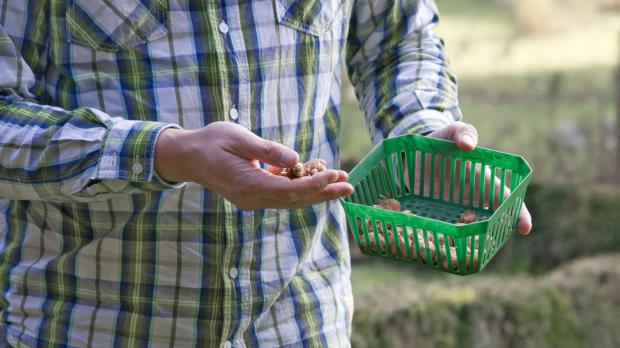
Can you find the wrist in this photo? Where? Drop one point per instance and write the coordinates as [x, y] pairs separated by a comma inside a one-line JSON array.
[[170, 154]]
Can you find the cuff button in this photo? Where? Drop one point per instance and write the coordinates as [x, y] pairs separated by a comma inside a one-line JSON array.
[[137, 168]]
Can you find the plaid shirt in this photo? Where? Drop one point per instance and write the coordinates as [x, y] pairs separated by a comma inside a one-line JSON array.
[[96, 250]]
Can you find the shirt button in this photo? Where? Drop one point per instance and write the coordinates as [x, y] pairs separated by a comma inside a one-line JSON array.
[[223, 27], [233, 273], [234, 113], [227, 344], [137, 168]]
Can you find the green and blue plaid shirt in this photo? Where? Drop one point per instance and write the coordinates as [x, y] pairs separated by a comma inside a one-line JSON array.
[[96, 250]]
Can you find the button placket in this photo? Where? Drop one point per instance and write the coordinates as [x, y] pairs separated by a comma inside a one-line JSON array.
[[230, 285], [241, 66], [239, 111], [233, 113], [223, 27], [233, 273]]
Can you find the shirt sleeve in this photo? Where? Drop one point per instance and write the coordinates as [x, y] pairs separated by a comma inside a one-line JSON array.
[[48, 153], [399, 69]]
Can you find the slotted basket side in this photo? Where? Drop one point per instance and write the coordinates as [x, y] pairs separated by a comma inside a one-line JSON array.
[[411, 239], [502, 225], [380, 234], [431, 239]]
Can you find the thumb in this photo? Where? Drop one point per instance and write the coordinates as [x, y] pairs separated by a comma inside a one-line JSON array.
[[252, 146], [464, 135]]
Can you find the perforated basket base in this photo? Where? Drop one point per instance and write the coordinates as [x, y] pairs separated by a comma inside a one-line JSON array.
[[442, 211]]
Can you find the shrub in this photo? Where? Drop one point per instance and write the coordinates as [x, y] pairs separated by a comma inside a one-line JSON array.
[[569, 221], [577, 305]]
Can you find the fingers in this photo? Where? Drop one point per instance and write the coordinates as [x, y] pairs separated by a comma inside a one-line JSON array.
[[275, 170], [342, 176], [463, 134], [330, 192], [466, 138], [525, 221], [248, 145], [524, 225], [287, 190], [324, 186]]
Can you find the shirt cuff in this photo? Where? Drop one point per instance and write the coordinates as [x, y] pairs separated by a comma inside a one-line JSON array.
[[422, 123], [158, 179], [129, 153]]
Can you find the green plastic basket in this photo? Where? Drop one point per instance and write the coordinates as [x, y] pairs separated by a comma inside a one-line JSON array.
[[438, 192]]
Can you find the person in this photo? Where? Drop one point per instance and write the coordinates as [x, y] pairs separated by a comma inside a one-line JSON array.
[[135, 142]]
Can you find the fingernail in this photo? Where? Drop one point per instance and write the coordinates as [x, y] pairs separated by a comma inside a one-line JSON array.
[[525, 226], [333, 175], [288, 157], [468, 140]]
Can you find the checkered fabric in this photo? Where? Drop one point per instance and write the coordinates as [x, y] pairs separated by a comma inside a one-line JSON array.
[[97, 250]]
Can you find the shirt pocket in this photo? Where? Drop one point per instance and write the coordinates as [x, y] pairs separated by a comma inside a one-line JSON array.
[[114, 25], [314, 17]]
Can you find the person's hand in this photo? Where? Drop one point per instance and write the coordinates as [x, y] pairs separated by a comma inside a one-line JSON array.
[[466, 138], [224, 157]]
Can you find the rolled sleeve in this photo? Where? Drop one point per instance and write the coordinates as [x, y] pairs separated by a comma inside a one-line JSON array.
[[423, 122], [399, 68]]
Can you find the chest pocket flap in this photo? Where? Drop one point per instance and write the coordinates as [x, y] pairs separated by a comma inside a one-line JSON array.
[[311, 16], [112, 25]]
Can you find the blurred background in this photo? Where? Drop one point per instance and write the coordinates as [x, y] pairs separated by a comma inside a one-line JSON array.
[[539, 78]]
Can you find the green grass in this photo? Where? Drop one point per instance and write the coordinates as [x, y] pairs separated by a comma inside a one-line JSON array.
[[526, 115], [375, 272], [365, 276], [573, 306]]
